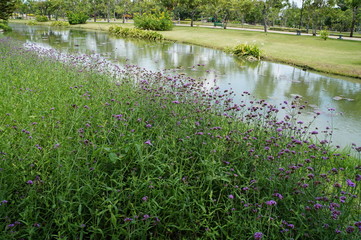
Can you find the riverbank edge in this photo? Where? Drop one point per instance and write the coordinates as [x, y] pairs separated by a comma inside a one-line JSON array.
[[99, 27]]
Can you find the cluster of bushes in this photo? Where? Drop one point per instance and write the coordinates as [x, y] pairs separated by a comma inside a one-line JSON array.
[[60, 24], [41, 18], [5, 27], [159, 21], [135, 33], [245, 50], [77, 18]]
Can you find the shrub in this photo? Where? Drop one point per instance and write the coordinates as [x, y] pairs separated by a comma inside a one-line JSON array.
[[5, 27], [41, 18], [60, 24], [246, 50], [77, 18], [324, 34], [32, 22], [135, 33], [159, 21]]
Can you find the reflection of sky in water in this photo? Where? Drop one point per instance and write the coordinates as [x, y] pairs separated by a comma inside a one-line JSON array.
[[274, 82]]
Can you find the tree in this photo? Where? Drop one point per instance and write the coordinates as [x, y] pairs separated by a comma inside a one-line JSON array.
[[7, 7], [270, 7], [355, 6], [192, 7]]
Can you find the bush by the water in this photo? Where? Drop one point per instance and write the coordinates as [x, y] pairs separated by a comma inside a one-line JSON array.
[[60, 24], [41, 18], [159, 21], [77, 18], [32, 22], [92, 150], [135, 33], [4, 26], [245, 50]]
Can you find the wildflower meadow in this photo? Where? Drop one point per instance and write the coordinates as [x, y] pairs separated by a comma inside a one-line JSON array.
[[93, 150]]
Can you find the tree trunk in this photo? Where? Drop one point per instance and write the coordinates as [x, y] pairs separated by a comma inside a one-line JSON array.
[[265, 18], [192, 18], [354, 13], [225, 21]]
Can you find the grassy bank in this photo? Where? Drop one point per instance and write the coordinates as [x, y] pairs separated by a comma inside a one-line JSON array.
[[89, 150], [334, 56]]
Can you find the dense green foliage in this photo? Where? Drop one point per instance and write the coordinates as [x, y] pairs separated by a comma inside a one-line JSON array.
[[324, 34], [159, 21], [89, 150], [311, 15], [41, 18], [59, 24], [246, 50], [135, 33], [7, 7], [5, 27], [77, 17]]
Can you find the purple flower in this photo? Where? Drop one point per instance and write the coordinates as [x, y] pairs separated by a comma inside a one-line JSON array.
[[145, 217], [317, 206], [358, 177], [128, 219], [314, 132], [350, 183], [176, 102], [258, 235], [230, 196], [148, 142], [145, 198], [278, 195], [350, 229], [29, 182], [271, 203]]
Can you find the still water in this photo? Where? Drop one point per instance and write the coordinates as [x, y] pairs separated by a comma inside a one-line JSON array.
[[264, 80]]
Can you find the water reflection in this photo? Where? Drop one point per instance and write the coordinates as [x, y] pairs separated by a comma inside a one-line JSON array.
[[265, 80]]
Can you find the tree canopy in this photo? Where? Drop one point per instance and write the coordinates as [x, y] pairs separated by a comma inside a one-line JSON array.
[[7, 7]]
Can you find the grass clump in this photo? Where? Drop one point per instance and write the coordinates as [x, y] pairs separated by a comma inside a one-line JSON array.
[[60, 24], [32, 22], [135, 33], [92, 150], [246, 50]]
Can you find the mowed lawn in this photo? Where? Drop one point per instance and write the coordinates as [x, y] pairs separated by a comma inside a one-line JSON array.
[[332, 56]]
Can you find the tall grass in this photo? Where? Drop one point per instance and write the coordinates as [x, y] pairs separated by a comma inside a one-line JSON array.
[[135, 33], [91, 150]]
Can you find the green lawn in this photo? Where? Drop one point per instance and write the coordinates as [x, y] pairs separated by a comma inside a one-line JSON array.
[[332, 56]]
